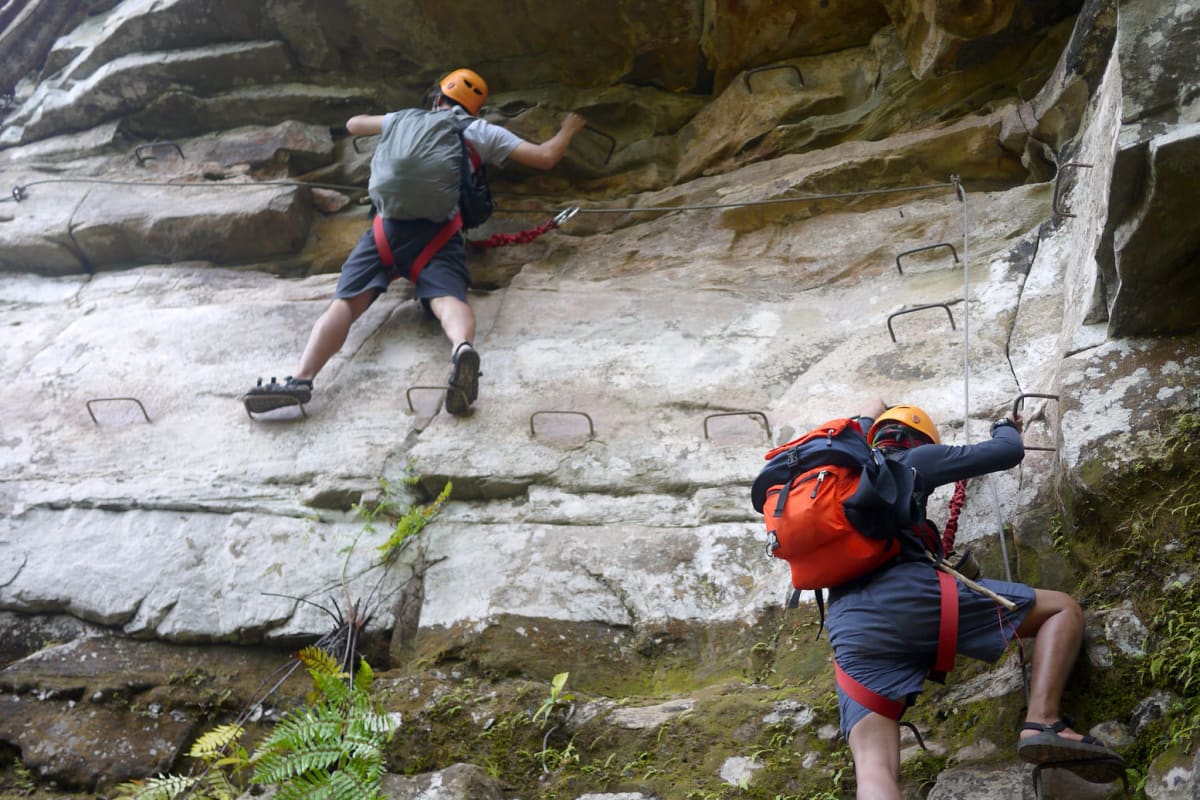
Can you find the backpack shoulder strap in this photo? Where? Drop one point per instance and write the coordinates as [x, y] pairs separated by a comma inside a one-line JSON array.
[[472, 153]]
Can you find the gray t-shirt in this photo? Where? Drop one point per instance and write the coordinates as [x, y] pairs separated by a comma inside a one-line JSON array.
[[493, 143]]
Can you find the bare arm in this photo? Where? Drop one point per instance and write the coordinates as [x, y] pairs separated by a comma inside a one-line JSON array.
[[551, 151], [873, 409], [365, 125]]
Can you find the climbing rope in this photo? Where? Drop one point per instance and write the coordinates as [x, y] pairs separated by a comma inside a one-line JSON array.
[[956, 505], [524, 237], [966, 345], [959, 497], [20, 192]]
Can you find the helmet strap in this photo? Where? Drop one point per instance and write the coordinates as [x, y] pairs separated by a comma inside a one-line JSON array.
[[898, 436]]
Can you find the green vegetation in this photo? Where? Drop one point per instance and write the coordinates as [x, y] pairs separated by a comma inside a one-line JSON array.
[[405, 519], [558, 704], [333, 746], [1135, 541], [330, 748], [1175, 663]]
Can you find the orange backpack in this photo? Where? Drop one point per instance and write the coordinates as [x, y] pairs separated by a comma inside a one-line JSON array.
[[837, 509], [834, 508]]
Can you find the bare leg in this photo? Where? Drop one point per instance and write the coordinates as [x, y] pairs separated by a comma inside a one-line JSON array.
[[1056, 622], [875, 746], [457, 318], [330, 332]]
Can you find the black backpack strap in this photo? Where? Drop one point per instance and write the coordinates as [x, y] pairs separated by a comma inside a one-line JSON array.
[[468, 148]]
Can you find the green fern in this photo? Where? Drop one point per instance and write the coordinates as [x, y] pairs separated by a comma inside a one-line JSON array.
[[215, 745], [365, 678], [211, 786], [217, 748], [333, 747], [163, 787], [412, 523], [320, 662]]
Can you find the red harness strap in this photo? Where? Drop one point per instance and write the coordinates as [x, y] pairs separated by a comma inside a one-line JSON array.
[[947, 628], [892, 709], [943, 662], [385, 250]]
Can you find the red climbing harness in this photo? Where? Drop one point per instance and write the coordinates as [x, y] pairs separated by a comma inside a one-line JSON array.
[[454, 226], [385, 250], [943, 662]]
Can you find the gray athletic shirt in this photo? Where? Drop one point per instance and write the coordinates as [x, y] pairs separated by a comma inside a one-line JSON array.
[[493, 143]]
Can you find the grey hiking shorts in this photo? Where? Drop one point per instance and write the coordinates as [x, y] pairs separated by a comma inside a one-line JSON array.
[[445, 275], [884, 631]]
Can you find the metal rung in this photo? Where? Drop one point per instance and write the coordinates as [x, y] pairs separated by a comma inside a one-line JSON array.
[[758, 414], [591, 425], [1020, 400], [446, 388], [918, 308], [137, 151], [1016, 409], [612, 147], [953, 252], [115, 399], [792, 67]]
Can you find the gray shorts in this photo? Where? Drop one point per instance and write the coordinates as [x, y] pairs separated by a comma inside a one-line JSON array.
[[885, 631], [445, 275]]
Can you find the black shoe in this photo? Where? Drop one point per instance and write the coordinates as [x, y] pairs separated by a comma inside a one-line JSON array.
[[292, 392], [463, 383]]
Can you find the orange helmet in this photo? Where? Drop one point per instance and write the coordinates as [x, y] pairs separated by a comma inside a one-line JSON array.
[[466, 88], [911, 416]]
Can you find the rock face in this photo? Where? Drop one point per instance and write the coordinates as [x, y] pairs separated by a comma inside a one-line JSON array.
[[787, 209]]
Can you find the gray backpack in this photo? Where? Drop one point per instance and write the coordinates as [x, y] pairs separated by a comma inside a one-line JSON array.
[[417, 166]]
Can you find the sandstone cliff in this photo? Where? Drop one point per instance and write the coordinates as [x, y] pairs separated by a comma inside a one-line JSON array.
[[786, 208]]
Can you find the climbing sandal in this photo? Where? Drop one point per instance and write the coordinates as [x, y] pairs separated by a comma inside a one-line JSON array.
[[268, 397], [1088, 758], [463, 383]]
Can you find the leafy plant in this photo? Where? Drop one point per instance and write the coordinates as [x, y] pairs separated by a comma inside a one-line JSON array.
[[25, 786], [405, 519], [558, 707], [222, 757], [557, 702], [332, 747], [1176, 660]]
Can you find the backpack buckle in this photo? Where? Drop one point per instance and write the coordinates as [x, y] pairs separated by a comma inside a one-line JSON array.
[[772, 544]]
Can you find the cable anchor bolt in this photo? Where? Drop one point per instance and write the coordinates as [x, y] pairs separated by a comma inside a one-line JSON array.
[[565, 215]]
